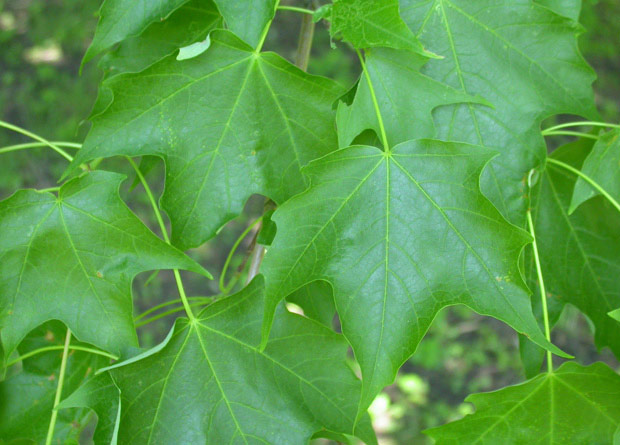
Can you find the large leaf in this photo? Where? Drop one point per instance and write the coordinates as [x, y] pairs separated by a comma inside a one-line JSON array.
[[73, 258], [120, 19], [372, 23], [399, 236], [603, 166], [406, 99], [188, 24], [579, 252], [573, 405], [229, 123], [27, 398], [102, 396], [522, 58], [211, 381], [247, 18]]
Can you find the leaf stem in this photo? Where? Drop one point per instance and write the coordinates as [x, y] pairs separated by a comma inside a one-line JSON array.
[[224, 288], [588, 179], [296, 9], [543, 292], [53, 146], [162, 226], [261, 42], [16, 147], [570, 133], [375, 102], [168, 303], [58, 348], [166, 313], [304, 45], [61, 381], [581, 124]]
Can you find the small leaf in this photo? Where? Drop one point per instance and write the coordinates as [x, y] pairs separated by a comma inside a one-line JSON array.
[[120, 19], [206, 117], [573, 405], [603, 166], [211, 382], [401, 235], [102, 396], [73, 258], [373, 23]]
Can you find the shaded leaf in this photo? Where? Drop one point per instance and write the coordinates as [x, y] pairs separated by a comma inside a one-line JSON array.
[[603, 166], [399, 236], [567, 8], [578, 252], [575, 404], [519, 56], [120, 19], [247, 18], [73, 258], [188, 24], [206, 117], [372, 23], [211, 381], [27, 398], [317, 301], [102, 396]]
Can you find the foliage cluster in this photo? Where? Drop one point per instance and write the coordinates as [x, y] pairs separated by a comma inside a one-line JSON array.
[[425, 185]]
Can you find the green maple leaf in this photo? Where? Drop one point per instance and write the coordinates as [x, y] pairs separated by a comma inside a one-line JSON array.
[[73, 258], [405, 96], [102, 396], [120, 19], [603, 166], [399, 235], [206, 117], [575, 404], [247, 18], [27, 398], [188, 24], [578, 252], [209, 380], [523, 59], [372, 23]]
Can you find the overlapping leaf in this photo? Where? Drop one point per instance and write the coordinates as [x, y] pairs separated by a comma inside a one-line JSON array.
[[102, 396], [27, 398], [372, 23], [120, 19], [211, 382], [188, 24], [317, 301], [575, 404], [228, 123], [603, 166], [405, 96], [522, 58], [399, 235], [73, 258], [579, 252]]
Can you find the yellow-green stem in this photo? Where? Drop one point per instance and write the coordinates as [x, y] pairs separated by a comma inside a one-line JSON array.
[[61, 381], [36, 137], [58, 348], [162, 226], [384, 138], [543, 292]]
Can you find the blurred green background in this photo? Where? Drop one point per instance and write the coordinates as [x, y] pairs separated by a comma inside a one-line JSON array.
[[41, 45]]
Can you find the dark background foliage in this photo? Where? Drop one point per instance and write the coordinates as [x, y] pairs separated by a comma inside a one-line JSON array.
[[41, 45]]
